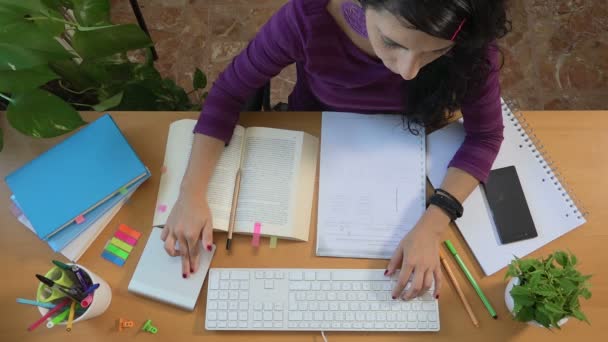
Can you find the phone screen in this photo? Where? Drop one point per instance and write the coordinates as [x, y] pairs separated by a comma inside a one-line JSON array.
[[508, 205]]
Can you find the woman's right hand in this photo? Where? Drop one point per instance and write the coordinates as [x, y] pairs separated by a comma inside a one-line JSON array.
[[189, 222]]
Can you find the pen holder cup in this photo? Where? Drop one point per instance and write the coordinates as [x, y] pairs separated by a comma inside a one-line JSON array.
[[101, 297], [59, 276]]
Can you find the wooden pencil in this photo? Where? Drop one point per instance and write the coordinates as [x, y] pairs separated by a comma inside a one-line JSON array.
[[464, 300]]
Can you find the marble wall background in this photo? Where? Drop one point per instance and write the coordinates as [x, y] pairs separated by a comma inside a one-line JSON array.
[[556, 57]]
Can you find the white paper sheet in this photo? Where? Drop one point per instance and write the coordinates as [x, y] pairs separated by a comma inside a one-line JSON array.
[[371, 185]]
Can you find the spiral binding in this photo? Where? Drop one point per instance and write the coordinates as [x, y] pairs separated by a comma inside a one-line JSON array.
[[534, 144]]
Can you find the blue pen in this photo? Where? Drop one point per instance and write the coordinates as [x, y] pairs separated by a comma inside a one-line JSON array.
[[78, 272], [90, 289]]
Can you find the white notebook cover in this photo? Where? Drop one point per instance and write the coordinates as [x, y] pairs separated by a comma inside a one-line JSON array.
[[553, 211], [159, 276]]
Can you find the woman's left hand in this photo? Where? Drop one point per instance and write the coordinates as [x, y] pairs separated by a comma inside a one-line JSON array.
[[418, 253]]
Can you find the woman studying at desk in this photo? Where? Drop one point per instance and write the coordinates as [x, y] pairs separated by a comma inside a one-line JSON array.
[[422, 59]]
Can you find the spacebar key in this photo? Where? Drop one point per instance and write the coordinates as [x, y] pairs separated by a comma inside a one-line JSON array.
[[357, 275]]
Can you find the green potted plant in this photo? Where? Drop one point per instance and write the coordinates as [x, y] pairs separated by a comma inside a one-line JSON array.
[[58, 57], [545, 292]]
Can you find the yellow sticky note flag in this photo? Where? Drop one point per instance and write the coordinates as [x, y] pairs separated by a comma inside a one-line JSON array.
[[273, 242], [121, 244]]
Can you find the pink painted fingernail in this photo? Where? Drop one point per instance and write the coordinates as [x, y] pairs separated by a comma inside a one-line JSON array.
[[184, 275], [191, 270], [437, 297], [209, 248], [394, 297], [385, 272]]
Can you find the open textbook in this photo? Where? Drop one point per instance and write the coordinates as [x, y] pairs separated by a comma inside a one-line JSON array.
[[278, 169]]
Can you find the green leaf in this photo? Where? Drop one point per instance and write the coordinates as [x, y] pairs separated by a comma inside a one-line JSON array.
[[109, 103], [108, 41], [561, 258], [73, 74], [554, 308], [585, 293], [200, 80], [22, 80], [92, 12], [525, 314], [522, 295], [26, 35], [20, 7], [41, 114], [53, 28], [580, 315], [17, 58], [567, 285], [573, 259], [542, 318]]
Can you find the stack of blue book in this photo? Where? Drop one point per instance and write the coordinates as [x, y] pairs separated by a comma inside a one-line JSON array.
[[77, 185]]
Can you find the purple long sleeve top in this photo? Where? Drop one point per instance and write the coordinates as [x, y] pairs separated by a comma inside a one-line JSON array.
[[333, 74]]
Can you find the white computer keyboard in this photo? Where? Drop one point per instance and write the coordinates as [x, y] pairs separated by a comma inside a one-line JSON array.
[[313, 299]]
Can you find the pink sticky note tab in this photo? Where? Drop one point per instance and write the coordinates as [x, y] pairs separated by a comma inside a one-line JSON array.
[[79, 219], [126, 238], [162, 208], [257, 228]]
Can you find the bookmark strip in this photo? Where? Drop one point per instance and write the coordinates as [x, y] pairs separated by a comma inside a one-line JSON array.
[[273, 242], [123, 191], [257, 228], [125, 238], [112, 258], [129, 231], [121, 244], [80, 219], [117, 251], [162, 208]]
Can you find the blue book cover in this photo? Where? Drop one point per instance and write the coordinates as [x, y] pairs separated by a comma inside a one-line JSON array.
[[65, 236], [76, 176]]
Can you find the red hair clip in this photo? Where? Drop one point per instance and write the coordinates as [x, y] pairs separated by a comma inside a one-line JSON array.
[[458, 29]]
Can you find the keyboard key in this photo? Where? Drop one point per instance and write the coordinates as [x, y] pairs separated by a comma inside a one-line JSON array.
[[411, 316], [225, 275], [267, 324], [213, 295], [379, 325], [244, 284], [339, 316], [295, 275], [224, 284], [361, 296], [315, 325], [385, 306], [341, 296], [277, 324], [268, 284], [267, 306], [278, 275], [212, 315], [278, 315], [303, 325], [325, 325], [222, 305], [242, 324], [391, 316], [323, 275], [313, 306], [358, 325], [258, 307], [335, 286], [223, 295], [232, 324], [423, 325], [323, 306], [381, 316], [333, 306], [356, 286], [344, 306], [308, 316], [309, 275], [278, 306], [257, 324], [295, 316], [316, 286], [389, 325], [354, 306], [302, 306], [239, 275], [292, 324], [318, 316], [244, 295], [375, 306], [222, 316], [233, 316], [329, 316], [257, 316], [269, 274], [221, 324], [346, 325], [405, 306], [412, 325], [372, 296], [352, 296], [326, 286], [433, 325], [234, 295], [233, 306], [335, 325], [259, 274], [242, 316], [429, 306], [364, 306], [212, 305], [422, 316], [267, 316], [360, 316], [211, 324], [331, 296], [366, 286], [243, 306], [214, 280], [432, 316], [346, 287], [310, 296], [416, 306], [351, 275]]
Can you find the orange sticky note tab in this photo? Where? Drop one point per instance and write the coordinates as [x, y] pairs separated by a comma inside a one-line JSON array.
[[129, 231], [80, 219]]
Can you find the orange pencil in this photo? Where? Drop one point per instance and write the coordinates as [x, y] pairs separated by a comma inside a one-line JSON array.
[[467, 306]]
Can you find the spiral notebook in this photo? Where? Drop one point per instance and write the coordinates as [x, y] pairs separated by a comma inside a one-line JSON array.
[[551, 205], [371, 185]]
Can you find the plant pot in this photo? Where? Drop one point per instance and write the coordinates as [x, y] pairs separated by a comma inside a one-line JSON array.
[[511, 303]]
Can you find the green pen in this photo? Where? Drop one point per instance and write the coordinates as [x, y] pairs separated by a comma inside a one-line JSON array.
[[62, 265], [485, 300]]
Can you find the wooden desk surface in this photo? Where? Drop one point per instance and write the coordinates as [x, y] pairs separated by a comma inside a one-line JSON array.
[[577, 140]]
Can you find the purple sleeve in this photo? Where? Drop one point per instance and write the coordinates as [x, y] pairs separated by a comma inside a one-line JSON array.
[[482, 115], [278, 44]]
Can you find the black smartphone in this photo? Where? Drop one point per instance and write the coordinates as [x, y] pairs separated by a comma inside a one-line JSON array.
[[508, 205]]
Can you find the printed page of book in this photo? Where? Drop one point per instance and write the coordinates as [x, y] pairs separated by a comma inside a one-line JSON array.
[[371, 184], [275, 166], [221, 185]]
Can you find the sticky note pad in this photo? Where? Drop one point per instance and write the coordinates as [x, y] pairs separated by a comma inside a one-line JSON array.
[[80, 219], [112, 258], [129, 231], [273, 242], [121, 244], [116, 251], [125, 238]]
